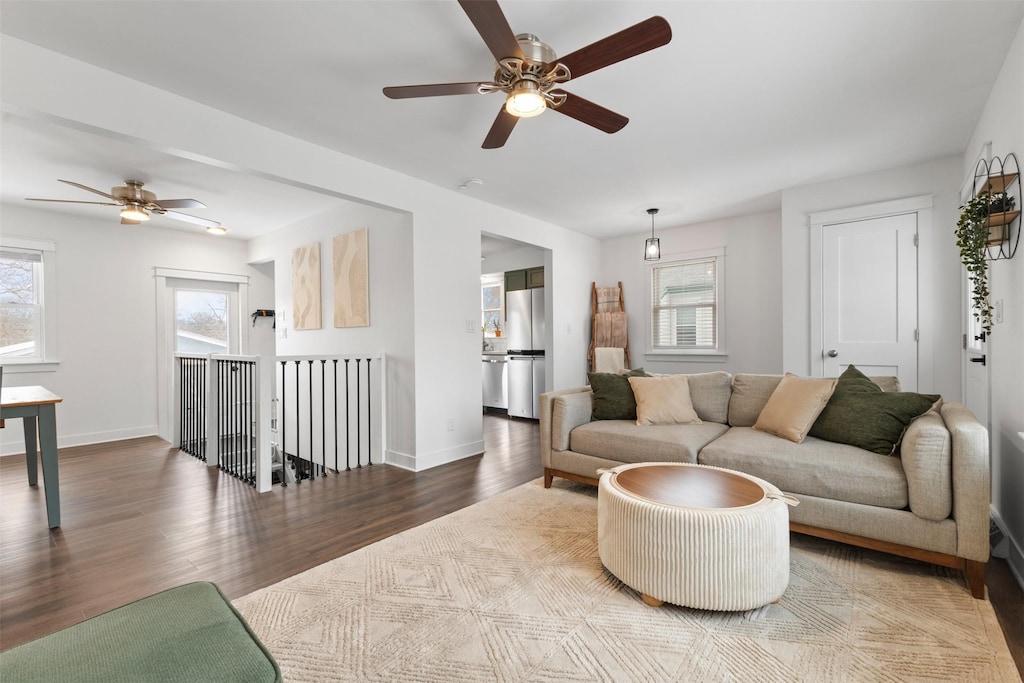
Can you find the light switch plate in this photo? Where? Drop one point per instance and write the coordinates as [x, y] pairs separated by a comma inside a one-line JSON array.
[[999, 310], [471, 326]]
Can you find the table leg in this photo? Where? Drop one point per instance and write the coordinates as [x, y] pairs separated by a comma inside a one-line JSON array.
[[29, 423], [48, 451]]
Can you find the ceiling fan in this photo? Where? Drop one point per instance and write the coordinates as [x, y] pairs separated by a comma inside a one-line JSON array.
[[530, 74], [136, 204]]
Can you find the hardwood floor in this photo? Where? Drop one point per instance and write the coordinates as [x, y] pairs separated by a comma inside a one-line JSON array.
[[139, 517]]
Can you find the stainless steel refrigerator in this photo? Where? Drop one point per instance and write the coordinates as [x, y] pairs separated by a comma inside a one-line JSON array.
[[524, 324]]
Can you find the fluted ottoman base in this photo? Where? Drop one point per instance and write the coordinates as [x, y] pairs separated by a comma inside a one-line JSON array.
[[695, 536]]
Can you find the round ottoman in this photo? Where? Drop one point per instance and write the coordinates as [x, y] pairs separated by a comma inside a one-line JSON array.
[[694, 535]]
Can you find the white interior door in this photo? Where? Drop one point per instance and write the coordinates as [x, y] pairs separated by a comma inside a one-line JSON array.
[[869, 297], [976, 370]]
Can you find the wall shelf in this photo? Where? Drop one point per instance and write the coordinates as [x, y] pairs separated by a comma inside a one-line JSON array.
[[1000, 176]]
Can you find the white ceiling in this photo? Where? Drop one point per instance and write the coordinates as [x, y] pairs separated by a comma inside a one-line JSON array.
[[748, 99]]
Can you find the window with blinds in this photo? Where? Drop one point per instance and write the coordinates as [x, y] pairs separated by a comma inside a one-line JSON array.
[[684, 305], [21, 304]]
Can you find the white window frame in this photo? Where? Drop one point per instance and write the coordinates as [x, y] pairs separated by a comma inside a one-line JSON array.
[[47, 361], [493, 280], [716, 354]]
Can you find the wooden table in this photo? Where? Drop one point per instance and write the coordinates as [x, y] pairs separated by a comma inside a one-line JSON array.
[[35, 406]]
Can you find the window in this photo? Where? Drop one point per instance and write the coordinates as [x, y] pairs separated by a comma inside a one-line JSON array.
[[201, 321], [491, 299], [27, 335], [686, 305]]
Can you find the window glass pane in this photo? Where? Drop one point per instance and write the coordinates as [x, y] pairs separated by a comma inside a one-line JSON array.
[[17, 281], [685, 296], [202, 322], [491, 297], [20, 312], [19, 330]]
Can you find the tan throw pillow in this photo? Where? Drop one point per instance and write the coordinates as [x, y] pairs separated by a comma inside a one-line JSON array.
[[794, 406], [663, 400]]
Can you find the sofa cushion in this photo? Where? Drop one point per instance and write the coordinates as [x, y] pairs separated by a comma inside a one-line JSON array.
[[710, 392], [663, 400], [928, 465], [861, 414], [568, 411], [625, 441], [794, 405], [814, 467], [613, 397], [749, 395]]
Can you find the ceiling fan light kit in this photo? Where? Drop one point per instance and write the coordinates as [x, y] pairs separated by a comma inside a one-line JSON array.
[[134, 213], [530, 73], [217, 230]]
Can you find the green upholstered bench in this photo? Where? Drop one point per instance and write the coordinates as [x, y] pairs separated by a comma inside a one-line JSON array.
[[189, 633]]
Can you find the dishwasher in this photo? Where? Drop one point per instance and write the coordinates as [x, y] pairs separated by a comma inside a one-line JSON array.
[[495, 383]]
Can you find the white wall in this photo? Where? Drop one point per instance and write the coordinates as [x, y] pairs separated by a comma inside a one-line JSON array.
[[1002, 124], [939, 274], [389, 236], [753, 290], [513, 259], [106, 318], [446, 227]]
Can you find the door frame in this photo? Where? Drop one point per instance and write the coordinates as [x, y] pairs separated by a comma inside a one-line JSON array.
[[164, 334], [922, 206]]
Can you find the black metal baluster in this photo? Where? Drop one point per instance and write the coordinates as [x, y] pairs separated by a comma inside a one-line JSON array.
[[369, 415], [201, 413], [359, 419], [348, 439], [312, 455], [335, 361], [298, 431], [323, 417], [283, 417]]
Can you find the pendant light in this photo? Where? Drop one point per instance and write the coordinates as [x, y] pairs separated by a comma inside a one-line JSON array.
[[652, 250]]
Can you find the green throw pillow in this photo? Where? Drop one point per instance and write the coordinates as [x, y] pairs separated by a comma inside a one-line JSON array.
[[613, 397], [861, 414]]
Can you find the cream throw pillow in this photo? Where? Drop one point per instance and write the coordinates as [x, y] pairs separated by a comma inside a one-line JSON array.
[[663, 400], [794, 406]]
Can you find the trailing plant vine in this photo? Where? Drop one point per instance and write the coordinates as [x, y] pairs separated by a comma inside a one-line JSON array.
[[972, 239]]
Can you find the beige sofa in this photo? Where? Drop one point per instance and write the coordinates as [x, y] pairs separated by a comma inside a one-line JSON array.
[[931, 503]]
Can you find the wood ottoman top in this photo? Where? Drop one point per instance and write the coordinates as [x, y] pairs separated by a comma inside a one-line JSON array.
[[691, 486]]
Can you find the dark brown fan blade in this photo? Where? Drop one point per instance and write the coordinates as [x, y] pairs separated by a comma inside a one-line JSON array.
[[500, 130], [69, 201], [180, 204], [589, 113], [627, 43], [399, 92], [491, 24], [90, 189], [205, 222]]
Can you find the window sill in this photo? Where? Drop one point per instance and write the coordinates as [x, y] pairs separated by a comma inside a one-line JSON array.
[[13, 367], [687, 356]]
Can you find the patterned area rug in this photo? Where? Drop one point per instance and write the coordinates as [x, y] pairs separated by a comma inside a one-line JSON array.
[[512, 589]]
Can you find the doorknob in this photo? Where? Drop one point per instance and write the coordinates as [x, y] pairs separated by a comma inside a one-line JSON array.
[[832, 353], [979, 360]]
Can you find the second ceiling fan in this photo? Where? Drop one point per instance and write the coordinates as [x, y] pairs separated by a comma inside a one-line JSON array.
[[530, 73]]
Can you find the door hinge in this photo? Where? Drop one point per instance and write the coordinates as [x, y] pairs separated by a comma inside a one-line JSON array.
[[916, 239], [917, 335], [964, 345]]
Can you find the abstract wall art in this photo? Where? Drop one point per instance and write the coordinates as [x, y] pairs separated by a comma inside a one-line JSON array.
[[306, 287], [351, 280]]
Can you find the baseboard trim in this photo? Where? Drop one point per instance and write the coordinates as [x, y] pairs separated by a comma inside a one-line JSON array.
[[418, 463], [17, 447]]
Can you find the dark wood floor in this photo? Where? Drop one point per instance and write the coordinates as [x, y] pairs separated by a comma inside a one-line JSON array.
[[139, 517]]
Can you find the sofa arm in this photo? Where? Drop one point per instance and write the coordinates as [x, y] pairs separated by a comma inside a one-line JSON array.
[[972, 489], [573, 410]]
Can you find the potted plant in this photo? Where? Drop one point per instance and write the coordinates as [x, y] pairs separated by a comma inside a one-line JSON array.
[[972, 236], [497, 328]]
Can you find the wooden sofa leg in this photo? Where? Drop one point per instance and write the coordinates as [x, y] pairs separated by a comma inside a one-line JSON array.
[[975, 577], [548, 476]]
